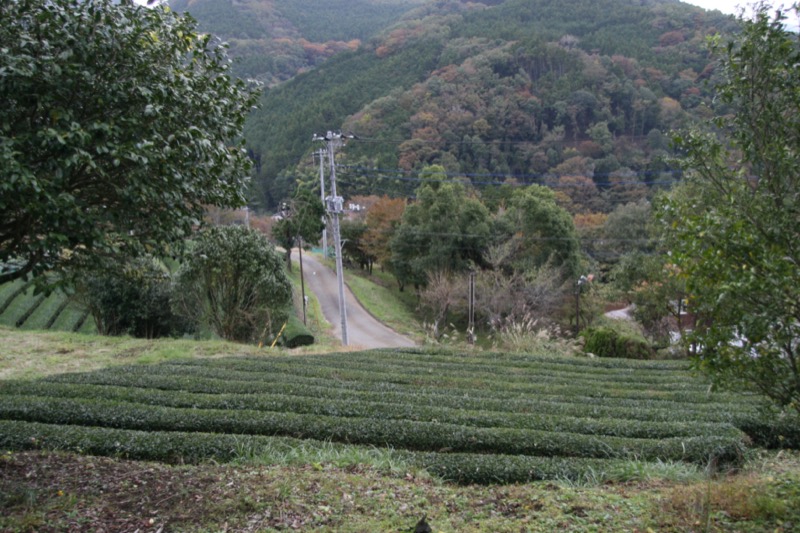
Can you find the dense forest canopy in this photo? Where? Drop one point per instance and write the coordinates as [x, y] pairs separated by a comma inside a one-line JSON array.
[[570, 95], [273, 40]]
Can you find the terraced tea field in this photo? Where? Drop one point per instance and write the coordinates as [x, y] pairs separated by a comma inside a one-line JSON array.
[[20, 307], [475, 418]]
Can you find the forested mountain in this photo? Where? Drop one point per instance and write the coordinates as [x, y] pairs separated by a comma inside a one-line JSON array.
[[272, 40], [578, 95]]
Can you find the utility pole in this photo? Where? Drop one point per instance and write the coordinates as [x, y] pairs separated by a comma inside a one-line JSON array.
[[335, 206], [471, 327], [288, 211], [321, 154], [583, 280], [302, 279]]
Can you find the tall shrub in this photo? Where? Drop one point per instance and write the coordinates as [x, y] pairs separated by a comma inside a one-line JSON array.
[[234, 282], [129, 296]]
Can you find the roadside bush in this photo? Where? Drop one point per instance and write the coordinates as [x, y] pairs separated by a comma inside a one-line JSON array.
[[130, 297], [606, 342], [296, 334], [234, 282]]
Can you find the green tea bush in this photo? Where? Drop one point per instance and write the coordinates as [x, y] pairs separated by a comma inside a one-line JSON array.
[[606, 342], [374, 408], [209, 379], [296, 334], [406, 434], [470, 418], [181, 447]]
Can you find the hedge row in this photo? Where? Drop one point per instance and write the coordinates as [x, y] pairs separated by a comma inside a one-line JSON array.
[[497, 400], [425, 436], [450, 354], [296, 334], [398, 381], [608, 342], [765, 429], [378, 409], [380, 364], [179, 447]]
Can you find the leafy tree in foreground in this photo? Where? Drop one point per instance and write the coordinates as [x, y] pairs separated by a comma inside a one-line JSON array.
[[234, 282], [735, 227], [117, 127]]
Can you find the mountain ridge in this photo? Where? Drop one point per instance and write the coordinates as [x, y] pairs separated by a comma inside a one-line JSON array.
[[515, 89]]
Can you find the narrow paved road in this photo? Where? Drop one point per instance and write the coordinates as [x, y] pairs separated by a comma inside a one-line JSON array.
[[363, 330]]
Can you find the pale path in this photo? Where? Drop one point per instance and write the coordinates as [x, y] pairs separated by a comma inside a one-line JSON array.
[[621, 314], [363, 330]]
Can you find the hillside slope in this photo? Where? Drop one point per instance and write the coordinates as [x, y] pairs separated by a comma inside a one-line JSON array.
[[529, 90], [273, 40]]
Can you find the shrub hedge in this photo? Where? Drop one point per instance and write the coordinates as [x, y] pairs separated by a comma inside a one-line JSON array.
[[470, 418], [404, 434], [298, 372], [296, 334], [606, 342], [410, 410], [180, 447]]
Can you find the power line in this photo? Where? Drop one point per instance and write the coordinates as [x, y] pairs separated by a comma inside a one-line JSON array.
[[448, 142], [335, 206], [540, 179]]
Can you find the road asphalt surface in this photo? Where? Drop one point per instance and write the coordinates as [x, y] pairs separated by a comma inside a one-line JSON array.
[[363, 330]]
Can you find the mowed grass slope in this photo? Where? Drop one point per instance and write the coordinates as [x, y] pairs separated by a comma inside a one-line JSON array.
[[482, 418]]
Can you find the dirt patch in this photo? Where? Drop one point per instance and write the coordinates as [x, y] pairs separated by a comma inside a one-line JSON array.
[[60, 492]]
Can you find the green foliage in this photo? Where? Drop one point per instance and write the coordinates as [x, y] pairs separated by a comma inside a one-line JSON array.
[[401, 433], [274, 40], [734, 224], [492, 92], [445, 230], [302, 222], [499, 412], [607, 342], [540, 232], [343, 19], [412, 410], [296, 334], [118, 126], [130, 296], [657, 288], [281, 134], [626, 231], [57, 311], [233, 281], [354, 244], [182, 447]]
